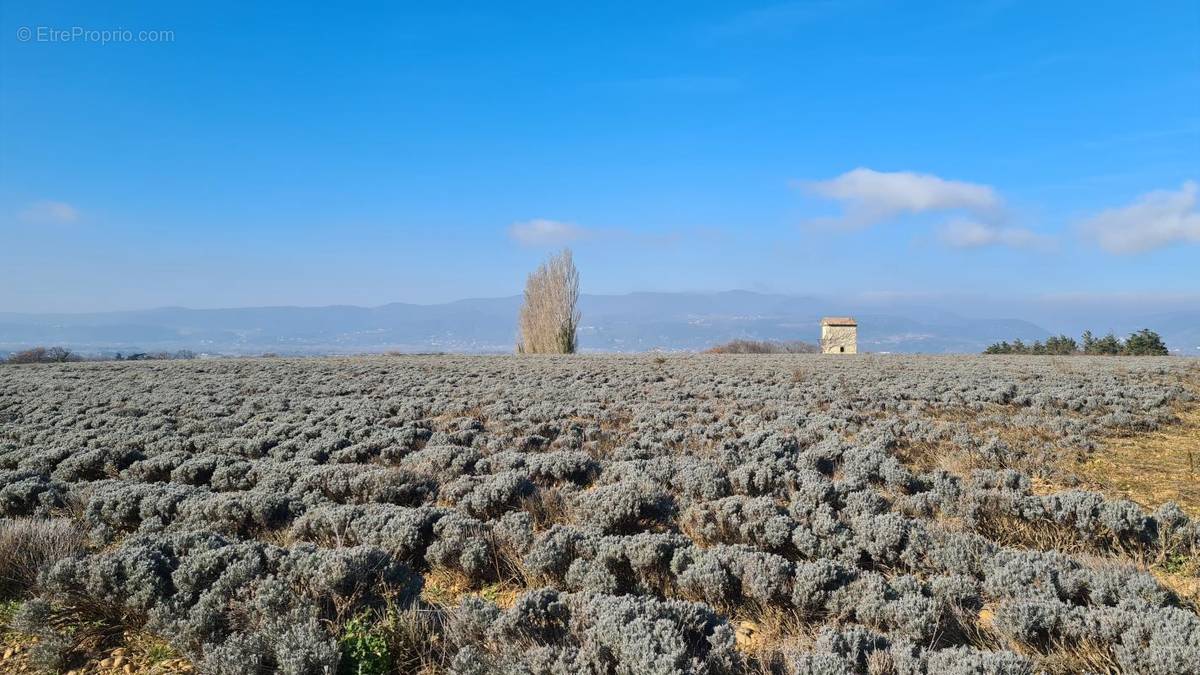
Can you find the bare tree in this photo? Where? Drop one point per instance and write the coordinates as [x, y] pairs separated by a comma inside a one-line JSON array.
[[44, 355], [549, 318]]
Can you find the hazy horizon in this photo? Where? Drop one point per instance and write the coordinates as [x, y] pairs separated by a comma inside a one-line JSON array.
[[621, 322], [976, 306]]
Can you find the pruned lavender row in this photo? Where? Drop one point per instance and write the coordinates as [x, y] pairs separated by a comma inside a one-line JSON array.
[[246, 509]]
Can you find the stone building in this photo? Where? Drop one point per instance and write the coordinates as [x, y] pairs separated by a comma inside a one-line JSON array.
[[839, 335]]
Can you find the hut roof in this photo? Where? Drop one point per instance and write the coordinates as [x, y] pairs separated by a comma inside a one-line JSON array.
[[838, 321]]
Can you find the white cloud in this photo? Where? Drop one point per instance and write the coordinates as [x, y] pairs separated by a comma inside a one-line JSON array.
[[50, 213], [870, 196], [961, 233], [1156, 219], [543, 232]]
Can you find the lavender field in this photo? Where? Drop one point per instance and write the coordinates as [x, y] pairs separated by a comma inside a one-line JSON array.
[[680, 514]]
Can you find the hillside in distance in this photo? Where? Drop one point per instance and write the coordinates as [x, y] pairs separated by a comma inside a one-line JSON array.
[[611, 323]]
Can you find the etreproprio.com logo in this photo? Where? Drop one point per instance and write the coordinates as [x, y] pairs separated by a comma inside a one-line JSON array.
[[101, 36]]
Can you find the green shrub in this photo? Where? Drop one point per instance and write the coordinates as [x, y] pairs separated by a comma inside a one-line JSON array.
[[364, 648]]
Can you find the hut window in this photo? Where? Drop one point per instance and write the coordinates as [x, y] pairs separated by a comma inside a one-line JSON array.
[[842, 350]]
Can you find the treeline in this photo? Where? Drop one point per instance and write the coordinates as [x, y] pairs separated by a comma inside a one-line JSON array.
[[64, 355], [1144, 342]]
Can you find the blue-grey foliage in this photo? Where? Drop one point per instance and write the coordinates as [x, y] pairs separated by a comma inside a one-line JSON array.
[[245, 509]]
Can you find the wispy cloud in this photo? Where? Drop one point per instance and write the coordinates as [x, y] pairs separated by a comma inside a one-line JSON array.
[[870, 197], [544, 232], [1156, 219], [965, 234], [49, 213]]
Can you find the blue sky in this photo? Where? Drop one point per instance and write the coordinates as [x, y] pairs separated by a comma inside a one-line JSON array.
[[274, 153]]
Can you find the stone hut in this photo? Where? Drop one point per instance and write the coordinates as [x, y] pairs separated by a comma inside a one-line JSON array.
[[839, 335]]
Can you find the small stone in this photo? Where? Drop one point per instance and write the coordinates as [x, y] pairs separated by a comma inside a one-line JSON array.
[[117, 660], [128, 669], [8, 653]]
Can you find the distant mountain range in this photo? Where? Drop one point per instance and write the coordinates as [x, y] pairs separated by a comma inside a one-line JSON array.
[[611, 323]]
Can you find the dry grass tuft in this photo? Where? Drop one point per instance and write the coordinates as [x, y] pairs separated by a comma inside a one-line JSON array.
[[1086, 656], [96, 651], [1044, 535], [416, 640], [548, 506], [769, 639], [447, 588], [1182, 575], [30, 545]]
